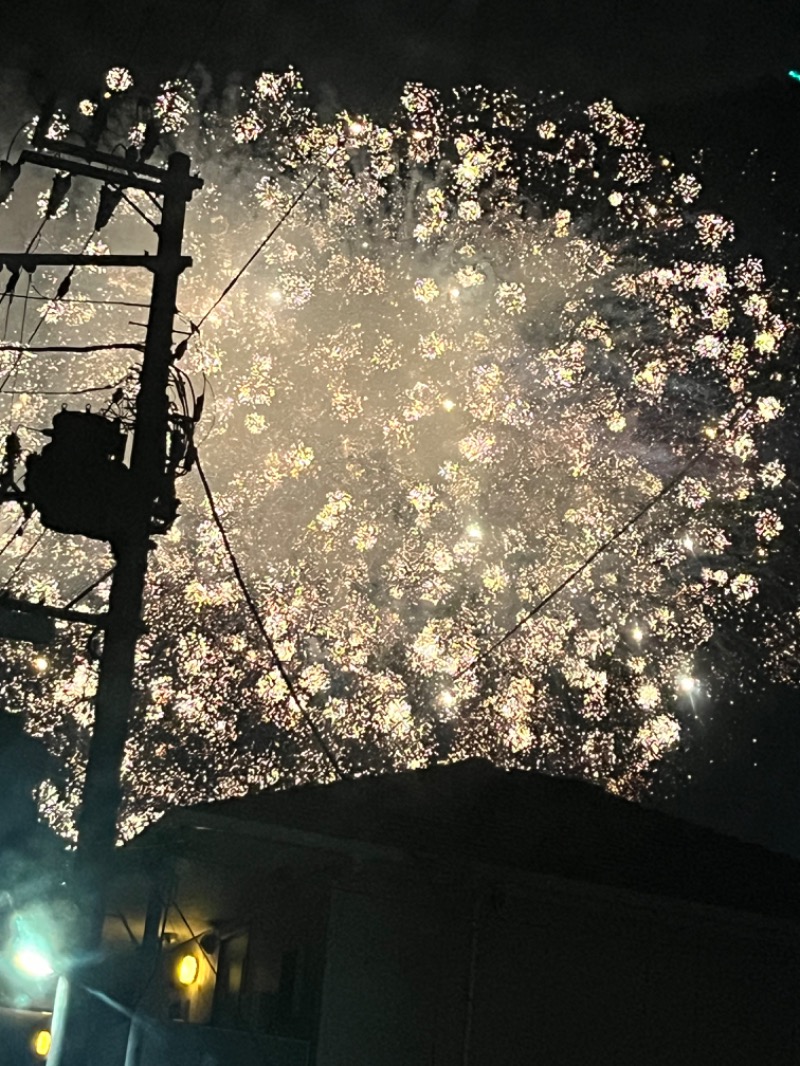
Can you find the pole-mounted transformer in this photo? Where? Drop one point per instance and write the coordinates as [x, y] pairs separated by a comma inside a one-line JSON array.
[[79, 483]]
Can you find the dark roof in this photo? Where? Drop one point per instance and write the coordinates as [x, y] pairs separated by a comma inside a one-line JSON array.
[[474, 811]]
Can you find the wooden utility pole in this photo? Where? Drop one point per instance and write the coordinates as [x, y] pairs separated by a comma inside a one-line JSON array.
[[99, 811], [97, 821]]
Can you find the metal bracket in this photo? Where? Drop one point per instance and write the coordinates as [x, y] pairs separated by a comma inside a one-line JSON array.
[[62, 614]]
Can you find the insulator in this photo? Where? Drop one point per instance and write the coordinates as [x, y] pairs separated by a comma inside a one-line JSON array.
[[109, 201], [177, 448], [98, 124], [11, 284], [64, 287], [13, 448], [58, 194], [152, 136], [9, 172]]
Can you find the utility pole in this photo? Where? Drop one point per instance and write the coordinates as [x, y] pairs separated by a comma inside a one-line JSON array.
[[148, 475], [101, 793]]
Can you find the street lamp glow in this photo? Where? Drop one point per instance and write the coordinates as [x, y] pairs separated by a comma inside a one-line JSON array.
[[32, 962], [42, 1042], [687, 684], [188, 969]]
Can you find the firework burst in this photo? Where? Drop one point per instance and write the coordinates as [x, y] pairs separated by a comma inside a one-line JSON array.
[[488, 334]]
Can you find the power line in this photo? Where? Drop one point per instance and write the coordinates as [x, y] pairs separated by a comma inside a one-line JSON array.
[[9, 289], [25, 308], [438, 15], [603, 547], [14, 371], [62, 290], [197, 939], [13, 280], [24, 557], [251, 604], [17, 533], [13, 139], [64, 284], [135, 207], [260, 248], [121, 346], [204, 38], [89, 588], [63, 392], [40, 298]]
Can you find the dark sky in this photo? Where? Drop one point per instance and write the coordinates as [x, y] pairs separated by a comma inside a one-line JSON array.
[[709, 76], [636, 51]]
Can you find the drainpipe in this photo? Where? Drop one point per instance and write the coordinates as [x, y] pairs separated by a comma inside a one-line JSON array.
[[472, 973], [162, 888], [133, 1049]]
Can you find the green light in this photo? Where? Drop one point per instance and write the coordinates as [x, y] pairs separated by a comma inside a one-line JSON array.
[[795, 74]]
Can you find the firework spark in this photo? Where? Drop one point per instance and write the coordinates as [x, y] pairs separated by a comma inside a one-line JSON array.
[[490, 332]]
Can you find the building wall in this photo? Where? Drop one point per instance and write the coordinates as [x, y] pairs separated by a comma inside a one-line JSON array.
[[421, 972], [393, 981], [644, 984]]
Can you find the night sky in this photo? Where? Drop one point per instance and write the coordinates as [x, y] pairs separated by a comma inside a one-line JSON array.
[[709, 78]]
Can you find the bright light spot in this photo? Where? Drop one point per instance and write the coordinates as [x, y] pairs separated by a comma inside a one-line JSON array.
[[687, 684], [475, 532], [119, 79], [356, 127], [455, 293], [187, 971], [40, 663], [276, 296], [710, 432], [418, 135], [448, 405], [447, 699], [33, 963], [637, 634], [795, 74], [87, 107], [688, 543], [41, 1043]]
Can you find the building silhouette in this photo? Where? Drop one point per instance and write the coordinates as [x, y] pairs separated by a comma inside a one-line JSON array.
[[460, 915]]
